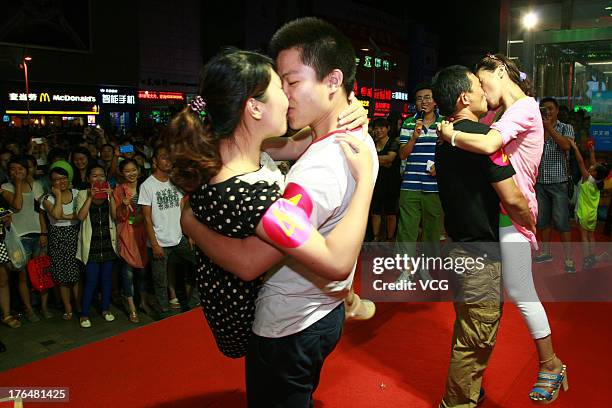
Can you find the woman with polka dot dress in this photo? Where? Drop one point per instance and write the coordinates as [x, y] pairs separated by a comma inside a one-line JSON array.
[[218, 161]]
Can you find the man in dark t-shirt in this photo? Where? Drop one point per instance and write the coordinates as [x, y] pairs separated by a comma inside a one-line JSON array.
[[471, 187]]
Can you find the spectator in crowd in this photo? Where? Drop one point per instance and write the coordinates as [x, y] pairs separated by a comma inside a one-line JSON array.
[[5, 156], [130, 218], [13, 147], [23, 194], [591, 185], [162, 204], [60, 206], [552, 183], [5, 291], [80, 161], [419, 203], [97, 246], [386, 191]]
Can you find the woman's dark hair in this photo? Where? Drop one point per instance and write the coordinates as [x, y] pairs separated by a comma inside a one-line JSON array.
[[91, 168], [491, 62], [125, 162], [56, 152], [321, 45], [380, 122], [20, 160], [81, 150], [227, 82], [58, 170]]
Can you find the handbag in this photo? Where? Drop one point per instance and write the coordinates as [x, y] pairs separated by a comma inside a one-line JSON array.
[[15, 249], [132, 241], [39, 271]]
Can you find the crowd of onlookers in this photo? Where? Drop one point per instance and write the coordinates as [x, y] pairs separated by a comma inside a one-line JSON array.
[[101, 209]]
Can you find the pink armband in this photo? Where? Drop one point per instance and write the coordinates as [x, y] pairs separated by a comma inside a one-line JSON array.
[[295, 194], [287, 224], [500, 158]]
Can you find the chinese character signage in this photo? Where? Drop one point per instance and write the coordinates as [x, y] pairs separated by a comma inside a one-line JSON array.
[[50, 99], [161, 96], [118, 96]]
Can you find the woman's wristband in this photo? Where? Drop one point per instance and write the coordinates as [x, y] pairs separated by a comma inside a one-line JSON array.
[[455, 133]]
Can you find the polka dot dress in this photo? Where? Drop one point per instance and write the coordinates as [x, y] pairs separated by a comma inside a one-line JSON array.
[[4, 257], [232, 208], [65, 268]]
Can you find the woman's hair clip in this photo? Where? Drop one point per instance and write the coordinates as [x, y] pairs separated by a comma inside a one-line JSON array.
[[522, 76], [197, 104]]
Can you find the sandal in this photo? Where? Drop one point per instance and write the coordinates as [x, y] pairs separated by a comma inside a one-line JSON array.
[[539, 393], [134, 317], [67, 316], [11, 322], [359, 309]]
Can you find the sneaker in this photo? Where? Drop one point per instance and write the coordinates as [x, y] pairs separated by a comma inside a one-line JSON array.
[[175, 304], [108, 316], [85, 323], [570, 267], [543, 257]]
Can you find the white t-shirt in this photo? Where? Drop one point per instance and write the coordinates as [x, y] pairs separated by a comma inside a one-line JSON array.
[[67, 208], [26, 221], [165, 201], [293, 297]]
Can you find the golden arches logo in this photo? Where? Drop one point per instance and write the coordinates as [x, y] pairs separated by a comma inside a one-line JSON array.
[[44, 97]]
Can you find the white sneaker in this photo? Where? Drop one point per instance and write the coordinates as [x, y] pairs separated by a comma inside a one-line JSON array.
[[86, 324], [108, 316]]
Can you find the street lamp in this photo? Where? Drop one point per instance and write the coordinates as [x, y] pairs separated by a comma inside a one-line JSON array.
[[24, 62], [530, 20]]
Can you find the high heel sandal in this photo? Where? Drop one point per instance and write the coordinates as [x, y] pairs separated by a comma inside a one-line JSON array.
[[539, 393]]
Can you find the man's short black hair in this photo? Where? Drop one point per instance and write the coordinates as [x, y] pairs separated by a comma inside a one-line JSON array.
[[551, 100], [380, 122], [159, 148], [321, 45], [447, 86], [421, 86]]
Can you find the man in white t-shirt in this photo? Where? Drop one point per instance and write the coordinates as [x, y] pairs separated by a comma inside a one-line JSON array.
[[161, 205], [299, 315]]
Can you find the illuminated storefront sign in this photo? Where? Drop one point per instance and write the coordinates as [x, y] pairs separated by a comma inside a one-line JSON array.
[[48, 97], [113, 96], [161, 96]]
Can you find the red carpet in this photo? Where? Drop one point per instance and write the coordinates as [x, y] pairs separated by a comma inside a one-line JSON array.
[[398, 359]]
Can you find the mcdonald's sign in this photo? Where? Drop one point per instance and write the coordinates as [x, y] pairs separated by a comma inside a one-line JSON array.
[[44, 97]]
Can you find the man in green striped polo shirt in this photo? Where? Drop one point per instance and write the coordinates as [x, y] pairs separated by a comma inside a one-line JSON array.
[[419, 202]]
